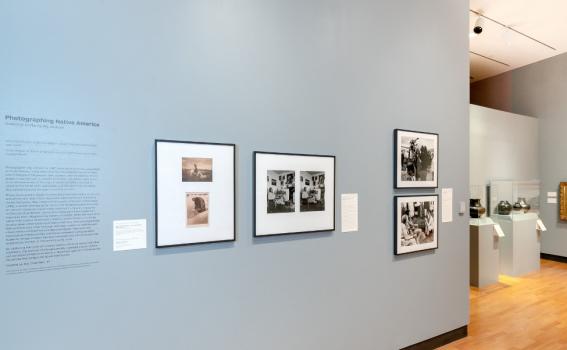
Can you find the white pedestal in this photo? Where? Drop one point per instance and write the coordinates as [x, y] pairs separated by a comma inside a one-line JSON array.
[[520, 249], [484, 253]]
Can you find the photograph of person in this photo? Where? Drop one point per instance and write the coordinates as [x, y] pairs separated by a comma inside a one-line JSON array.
[[196, 169], [312, 193], [417, 224], [281, 191]]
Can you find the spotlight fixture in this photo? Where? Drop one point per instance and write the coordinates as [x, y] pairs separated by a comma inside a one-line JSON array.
[[478, 25]]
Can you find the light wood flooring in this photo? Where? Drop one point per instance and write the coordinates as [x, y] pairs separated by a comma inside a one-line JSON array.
[[520, 313]]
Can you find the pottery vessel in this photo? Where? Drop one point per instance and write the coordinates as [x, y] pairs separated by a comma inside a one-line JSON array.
[[523, 204], [476, 209], [504, 208]]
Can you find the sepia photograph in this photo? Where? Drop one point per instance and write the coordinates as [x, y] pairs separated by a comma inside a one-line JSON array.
[[312, 192], [416, 159], [281, 194], [197, 209], [416, 225], [197, 169]]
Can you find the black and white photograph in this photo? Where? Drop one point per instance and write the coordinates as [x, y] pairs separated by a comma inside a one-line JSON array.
[[312, 193], [298, 195], [416, 159], [281, 198], [416, 223], [197, 169], [191, 207], [197, 209]]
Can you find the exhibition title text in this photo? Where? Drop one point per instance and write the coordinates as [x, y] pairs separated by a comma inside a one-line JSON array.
[[60, 122]]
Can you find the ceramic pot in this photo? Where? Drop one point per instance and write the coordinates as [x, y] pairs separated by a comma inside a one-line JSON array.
[[517, 206], [504, 208], [476, 209], [524, 204]]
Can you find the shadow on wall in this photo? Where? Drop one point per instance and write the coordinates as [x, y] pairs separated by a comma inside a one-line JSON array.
[[495, 92]]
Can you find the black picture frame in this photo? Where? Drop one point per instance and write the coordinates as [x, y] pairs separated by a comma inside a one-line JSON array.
[[156, 192], [397, 223], [298, 181], [398, 162]]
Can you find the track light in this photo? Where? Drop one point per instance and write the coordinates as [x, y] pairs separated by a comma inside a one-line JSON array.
[[478, 25]]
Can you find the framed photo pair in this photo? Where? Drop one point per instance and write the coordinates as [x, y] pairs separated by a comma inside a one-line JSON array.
[[195, 192], [416, 159], [293, 193]]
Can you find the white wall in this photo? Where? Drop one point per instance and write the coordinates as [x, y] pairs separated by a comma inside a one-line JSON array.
[[503, 146], [317, 76]]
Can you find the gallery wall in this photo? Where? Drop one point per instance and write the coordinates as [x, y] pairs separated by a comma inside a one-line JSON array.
[[321, 77], [538, 90], [503, 146]]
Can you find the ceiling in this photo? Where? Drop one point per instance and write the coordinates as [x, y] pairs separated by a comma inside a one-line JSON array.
[[498, 49]]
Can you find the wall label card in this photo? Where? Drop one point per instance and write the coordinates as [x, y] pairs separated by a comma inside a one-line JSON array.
[[447, 198], [552, 200], [129, 234], [349, 212], [552, 194]]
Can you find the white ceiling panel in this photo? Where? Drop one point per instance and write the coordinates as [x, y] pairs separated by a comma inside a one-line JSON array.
[[498, 49]]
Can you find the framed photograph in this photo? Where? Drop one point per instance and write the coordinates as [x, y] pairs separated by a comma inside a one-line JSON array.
[[195, 193], [416, 158], [296, 204], [563, 201], [416, 223]]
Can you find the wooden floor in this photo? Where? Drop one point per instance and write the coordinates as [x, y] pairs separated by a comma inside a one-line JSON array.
[[520, 313]]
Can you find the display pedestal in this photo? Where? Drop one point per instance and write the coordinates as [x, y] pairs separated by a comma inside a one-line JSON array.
[[484, 253], [520, 249]]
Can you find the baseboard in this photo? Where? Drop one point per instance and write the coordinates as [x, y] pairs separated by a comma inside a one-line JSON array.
[[557, 258], [440, 340]]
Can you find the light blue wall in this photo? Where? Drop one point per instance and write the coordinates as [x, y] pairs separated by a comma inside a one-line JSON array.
[[331, 77], [538, 90]]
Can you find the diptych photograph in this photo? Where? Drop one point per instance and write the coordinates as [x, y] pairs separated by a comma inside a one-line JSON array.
[[416, 223], [416, 159], [195, 193], [297, 195]]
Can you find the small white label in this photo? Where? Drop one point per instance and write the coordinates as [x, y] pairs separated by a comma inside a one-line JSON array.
[[552, 200], [129, 234], [349, 212], [552, 194], [463, 208], [499, 231], [447, 199], [540, 226]]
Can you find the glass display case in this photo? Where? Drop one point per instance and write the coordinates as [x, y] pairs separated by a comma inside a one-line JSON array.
[[513, 191]]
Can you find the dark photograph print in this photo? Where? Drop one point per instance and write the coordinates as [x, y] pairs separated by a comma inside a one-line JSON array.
[[197, 209], [197, 169], [312, 192], [416, 226], [281, 198], [416, 159]]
